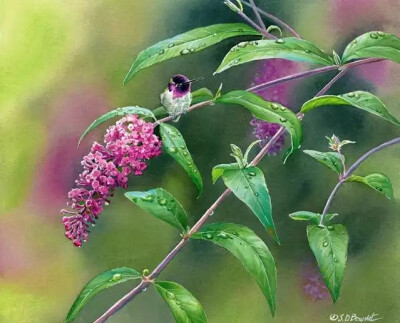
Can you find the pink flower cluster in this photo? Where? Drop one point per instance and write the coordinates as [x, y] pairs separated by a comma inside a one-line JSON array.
[[313, 284], [128, 144]]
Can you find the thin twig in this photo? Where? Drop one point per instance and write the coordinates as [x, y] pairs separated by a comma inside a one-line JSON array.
[[257, 14], [275, 19], [253, 24], [351, 170]]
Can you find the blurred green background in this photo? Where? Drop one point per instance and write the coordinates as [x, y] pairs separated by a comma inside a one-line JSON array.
[[62, 65]]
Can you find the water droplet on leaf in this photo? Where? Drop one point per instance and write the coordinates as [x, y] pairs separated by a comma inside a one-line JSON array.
[[162, 202], [279, 41], [381, 33], [351, 95], [148, 198], [184, 51], [116, 277], [236, 61], [208, 236], [170, 295], [223, 235], [283, 119], [171, 45], [252, 174], [161, 52], [173, 150], [373, 35], [325, 244]]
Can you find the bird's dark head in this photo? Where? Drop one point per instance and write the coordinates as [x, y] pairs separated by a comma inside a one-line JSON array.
[[180, 85]]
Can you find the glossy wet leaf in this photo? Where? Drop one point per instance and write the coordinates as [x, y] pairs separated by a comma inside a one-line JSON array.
[[198, 96], [379, 182], [359, 99], [291, 48], [119, 112], [162, 205], [97, 284], [184, 306], [250, 250], [248, 185], [175, 145], [330, 159], [373, 44], [218, 170], [267, 111], [311, 216], [329, 245], [187, 43]]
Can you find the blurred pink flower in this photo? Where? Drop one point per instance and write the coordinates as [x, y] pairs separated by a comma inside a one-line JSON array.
[[269, 70], [128, 144], [313, 285]]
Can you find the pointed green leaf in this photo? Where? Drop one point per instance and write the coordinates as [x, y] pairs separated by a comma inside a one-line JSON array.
[[378, 182], [117, 113], [267, 111], [192, 41], [97, 284], [329, 245], [373, 44], [330, 159], [311, 216], [218, 170], [198, 96], [248, 184], [362, 100], [175, 145], [291, 48], [184, 306], [250, 250], [162, 205]]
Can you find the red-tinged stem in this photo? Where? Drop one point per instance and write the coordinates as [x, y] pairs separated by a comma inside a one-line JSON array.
[[254, 25], [275, 19], [350, 171], [146, 281], [257, 14]]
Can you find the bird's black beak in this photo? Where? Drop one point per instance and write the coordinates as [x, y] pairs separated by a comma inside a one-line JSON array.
[[193, 80]]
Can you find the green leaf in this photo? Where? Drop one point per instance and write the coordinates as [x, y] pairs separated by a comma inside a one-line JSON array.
[[117, 113], [378, 182], [198, 96], [329, 245], [184, 306], [248, 184], [250, 250], [162, 205], [267, 111], [218, 170], [363, 100], [373, 44], [291, 48], [175, 145], [192, 41], [311, 216], [330, 159], [97, 284]]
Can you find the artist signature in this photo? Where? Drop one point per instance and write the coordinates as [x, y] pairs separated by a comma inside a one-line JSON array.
[[354, 317]]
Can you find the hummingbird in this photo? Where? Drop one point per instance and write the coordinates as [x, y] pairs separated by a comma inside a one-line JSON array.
[[177, 97]]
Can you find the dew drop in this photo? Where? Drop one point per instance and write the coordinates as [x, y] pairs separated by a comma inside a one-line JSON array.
[[354, 42], [274, 106], [173, 150], [373, 35], [236, 61], [381, 33], [351, 95], [148, 198], [171, 45], [161, 52], [334, 163], [194, 170], [283, 108], [356, 95], [185, 153], [331, 228], [256, 43], [324, 159], [252, 174], [307, 51], [242, 44], [183, 147], [184, 51], [162, 202], [379, 188], [279, 41], [335, 259], [178, 303], [116, 277], [222, 235], [233, 49], [325, 244], [379, 111], [208, 236], [214, 34], [170, 295], [240, 30], [283, 119], [256, 194], [192, 50]]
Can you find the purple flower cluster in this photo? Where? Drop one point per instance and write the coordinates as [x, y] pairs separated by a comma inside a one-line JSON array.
[[128, 144], [270, 70], [313, 284]]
